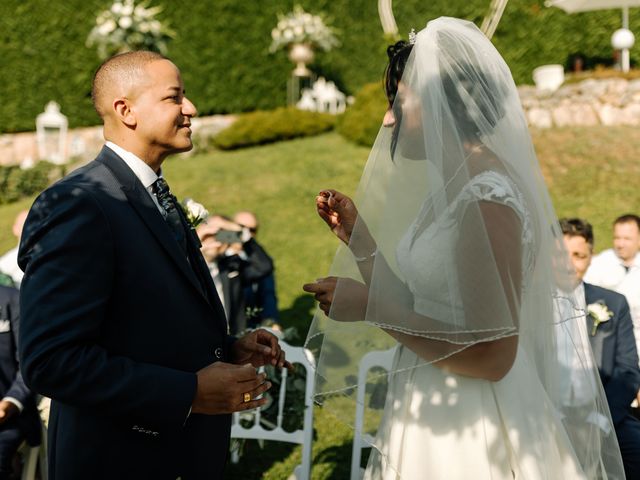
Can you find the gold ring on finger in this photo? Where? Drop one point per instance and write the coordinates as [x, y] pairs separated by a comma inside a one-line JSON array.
[[246, 398]]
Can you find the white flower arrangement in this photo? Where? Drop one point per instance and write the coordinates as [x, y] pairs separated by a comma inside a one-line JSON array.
[[126, 26], [194, 211], [599, 313], [299, 26]]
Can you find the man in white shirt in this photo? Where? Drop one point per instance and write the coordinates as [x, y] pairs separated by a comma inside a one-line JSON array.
[[618, 268]]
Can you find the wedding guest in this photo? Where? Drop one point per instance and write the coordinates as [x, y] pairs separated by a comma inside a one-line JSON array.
[[235, 261], [9, 261], [611, 337], [260, 296], [121, 324], [19, 420], [618, 268]]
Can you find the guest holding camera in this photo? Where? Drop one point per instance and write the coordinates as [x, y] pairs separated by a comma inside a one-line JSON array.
[[235, 261], [261, 295]]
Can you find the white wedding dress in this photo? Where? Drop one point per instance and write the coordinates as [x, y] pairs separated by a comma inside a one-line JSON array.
[[441, 426]]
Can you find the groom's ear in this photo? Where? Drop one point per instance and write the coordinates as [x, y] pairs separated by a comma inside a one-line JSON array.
[[123, 111]]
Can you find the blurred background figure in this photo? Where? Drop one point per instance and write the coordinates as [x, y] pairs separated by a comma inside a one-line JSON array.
[[618, 268], [235, 261], [9, 261], [260, 296], [19, 419], [612, 341]]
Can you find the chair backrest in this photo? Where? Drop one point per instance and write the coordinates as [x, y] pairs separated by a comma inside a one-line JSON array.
[[302, 436], [375, 359]]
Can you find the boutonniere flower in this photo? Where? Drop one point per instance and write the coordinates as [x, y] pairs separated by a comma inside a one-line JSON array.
[[600, 314], [194, 211]]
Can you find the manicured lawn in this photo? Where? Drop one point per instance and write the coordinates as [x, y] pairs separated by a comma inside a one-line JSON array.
[[591, 172]]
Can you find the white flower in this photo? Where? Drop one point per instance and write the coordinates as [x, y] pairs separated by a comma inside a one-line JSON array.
[[125, 22], [116, 7], [195, 212], [127, 9], [107, 27], [600, 314]]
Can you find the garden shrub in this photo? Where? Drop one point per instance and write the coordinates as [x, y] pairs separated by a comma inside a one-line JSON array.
[[362, 120], [257, 128], [17, 183]]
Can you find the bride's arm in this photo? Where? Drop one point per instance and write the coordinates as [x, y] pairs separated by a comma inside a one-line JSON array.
[[490, 239]]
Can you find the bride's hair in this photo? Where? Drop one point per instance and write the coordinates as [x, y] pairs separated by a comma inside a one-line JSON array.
[[472, 94]]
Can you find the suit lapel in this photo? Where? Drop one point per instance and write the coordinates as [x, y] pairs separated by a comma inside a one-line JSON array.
[[596, 340], [143, 204]]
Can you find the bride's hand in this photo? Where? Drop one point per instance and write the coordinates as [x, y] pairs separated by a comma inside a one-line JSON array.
[[338, 211], [354, 295]]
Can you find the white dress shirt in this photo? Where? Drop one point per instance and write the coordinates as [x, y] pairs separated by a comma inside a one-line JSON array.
[[144, 172], [608, 271]]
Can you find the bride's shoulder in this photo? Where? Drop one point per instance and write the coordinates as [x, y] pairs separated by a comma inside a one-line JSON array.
[[492, 186]]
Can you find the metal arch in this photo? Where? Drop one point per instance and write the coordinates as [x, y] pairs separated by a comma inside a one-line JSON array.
[[385, 10], [491, 21]]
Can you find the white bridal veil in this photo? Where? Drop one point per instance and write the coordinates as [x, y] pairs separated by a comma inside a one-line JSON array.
[[450, 269]]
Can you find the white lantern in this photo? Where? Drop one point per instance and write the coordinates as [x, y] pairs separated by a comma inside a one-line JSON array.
[[51, 134], [622, 38]]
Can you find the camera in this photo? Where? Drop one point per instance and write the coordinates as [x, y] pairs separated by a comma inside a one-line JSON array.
[[229, 236]]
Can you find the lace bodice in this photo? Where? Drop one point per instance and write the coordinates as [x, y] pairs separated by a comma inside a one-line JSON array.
[[425, 255]]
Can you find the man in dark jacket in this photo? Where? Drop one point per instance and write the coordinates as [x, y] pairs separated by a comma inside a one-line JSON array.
[[614, 348]]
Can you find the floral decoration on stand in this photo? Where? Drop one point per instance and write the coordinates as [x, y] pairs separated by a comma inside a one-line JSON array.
[[299, 26], [126, 26], [599, 313], [194, 211]]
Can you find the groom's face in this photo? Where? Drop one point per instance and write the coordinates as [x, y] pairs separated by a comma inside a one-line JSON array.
[[580, 252], [162, 110]]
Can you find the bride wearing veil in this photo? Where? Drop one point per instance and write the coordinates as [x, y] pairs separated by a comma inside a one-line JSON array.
[[452, 251]]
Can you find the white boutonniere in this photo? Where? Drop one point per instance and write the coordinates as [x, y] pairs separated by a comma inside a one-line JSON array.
[[600, 314], [194, 211]]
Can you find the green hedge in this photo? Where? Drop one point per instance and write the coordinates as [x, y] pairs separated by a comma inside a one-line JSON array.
[[361, 122], [222, 48], [16, 183], [257, 128]]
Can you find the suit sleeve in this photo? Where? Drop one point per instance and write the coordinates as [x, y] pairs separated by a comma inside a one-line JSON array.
[[68, 256], [624, 383], [18, 388]]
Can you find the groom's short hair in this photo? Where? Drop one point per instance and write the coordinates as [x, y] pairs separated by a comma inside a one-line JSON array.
[[577, 227], [118, 70]]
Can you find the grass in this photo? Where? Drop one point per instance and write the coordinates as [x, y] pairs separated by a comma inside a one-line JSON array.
[[591, 172]]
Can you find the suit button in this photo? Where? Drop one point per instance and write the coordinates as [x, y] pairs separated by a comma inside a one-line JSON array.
[[218, 353]]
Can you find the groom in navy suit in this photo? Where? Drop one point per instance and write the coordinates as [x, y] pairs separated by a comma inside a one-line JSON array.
[[121, 323], [613, 344]]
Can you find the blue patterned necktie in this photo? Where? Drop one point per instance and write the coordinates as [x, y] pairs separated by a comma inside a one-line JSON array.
[[169, 204]]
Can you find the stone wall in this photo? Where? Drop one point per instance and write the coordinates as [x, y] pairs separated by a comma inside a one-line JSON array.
[[85, 143], [607, 102]]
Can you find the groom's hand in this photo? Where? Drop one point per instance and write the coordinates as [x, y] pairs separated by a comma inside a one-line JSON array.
[[259, 347], [226, 388]]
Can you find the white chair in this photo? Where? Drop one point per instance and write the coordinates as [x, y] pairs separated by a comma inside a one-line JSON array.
[[32, 457], [303, 436], [375, 359]]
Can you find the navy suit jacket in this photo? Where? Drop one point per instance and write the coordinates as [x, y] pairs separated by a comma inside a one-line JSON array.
[[115, 324], [614, 349], [11, 382]]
